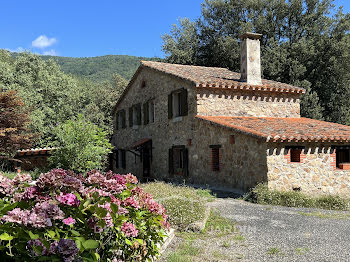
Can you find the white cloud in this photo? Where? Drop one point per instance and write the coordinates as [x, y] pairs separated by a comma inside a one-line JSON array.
[[50, 52], [17, 50], [43, 41]]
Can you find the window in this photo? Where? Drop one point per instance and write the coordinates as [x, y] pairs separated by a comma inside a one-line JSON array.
[[120, 121], [143, 84], [215, 157], [177, 103], [178, 160], [295, 155], [135, 115], [116, 158], [342, 156], [148, 112]]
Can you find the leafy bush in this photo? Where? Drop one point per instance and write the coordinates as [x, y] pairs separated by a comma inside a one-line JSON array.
[[67, 217], [262, 195], [81, 146]]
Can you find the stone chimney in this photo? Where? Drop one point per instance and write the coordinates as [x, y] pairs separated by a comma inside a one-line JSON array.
[[250, 59]]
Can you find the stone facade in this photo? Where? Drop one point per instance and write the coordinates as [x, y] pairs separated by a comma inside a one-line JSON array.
[[316, 173], [245, 159], [239, 103]]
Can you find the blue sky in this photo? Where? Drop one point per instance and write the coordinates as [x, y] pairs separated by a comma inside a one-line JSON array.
[[94, 27]]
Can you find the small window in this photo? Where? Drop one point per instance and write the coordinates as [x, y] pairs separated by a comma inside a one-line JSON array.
[[342, 156], [143, 84], [178, 160], [295, 155], [177, 103], [151, 111], [215, 158]]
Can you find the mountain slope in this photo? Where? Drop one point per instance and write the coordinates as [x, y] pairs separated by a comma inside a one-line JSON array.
[[100, 68]]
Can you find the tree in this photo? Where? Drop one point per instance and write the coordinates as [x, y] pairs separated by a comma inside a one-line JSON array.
[[302, 45], [81, 146], [54, 97], [13, 124]]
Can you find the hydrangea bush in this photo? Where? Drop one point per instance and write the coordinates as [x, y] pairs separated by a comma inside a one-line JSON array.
[[69, 217]]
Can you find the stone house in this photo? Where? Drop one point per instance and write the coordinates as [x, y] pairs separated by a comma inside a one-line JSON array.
[[211, 126]]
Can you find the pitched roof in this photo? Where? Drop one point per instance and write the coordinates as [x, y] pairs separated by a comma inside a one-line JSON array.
[[284, 129], [216, 77]]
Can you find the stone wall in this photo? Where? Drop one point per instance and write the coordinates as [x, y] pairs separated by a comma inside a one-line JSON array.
[[164, 132], [213, 102], [242, 158], [316, 174]]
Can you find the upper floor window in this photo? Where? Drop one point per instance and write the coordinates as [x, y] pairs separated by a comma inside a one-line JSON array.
[[177, 103], [121, 119], [148, 112], [135, 115]]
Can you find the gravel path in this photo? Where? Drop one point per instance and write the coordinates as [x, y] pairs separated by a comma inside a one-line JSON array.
[[283, 234]]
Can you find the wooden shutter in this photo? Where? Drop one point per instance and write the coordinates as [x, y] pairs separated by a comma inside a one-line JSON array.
[[170, 106], [295, 155], [215, 159], [117, 120], [184, 102], [130, 117], [123, 159], [146, 113], [138, 114], [171, 161], [185, 161], [123, 113]]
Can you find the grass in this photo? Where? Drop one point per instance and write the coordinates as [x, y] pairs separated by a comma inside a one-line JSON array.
[[185, 205], [302, 250], [262, 195], [35, 173], [273, 251], [325, 215], [218, 230]]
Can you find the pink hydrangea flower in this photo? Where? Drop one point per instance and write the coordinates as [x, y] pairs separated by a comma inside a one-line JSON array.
[[69, 221], [95, 177], [131, 179], [131, 202], [22, 178], [68, 199], [6, 186], [17, 215], [129, 230]]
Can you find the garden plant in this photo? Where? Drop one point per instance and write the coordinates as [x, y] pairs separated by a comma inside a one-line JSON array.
[[65, 216]]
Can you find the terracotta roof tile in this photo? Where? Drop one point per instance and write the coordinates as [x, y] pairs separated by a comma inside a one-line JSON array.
[[284, 129], [215, 77]]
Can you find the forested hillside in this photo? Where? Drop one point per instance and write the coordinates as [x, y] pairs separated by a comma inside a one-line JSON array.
[[100, 68], [52, 96]]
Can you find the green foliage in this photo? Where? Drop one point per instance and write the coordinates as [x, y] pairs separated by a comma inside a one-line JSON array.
[[262, 195], [81, 146], [101, 68], [54, 97], [302, 45]]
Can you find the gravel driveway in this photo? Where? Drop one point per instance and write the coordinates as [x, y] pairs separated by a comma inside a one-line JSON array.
[[275, 233]]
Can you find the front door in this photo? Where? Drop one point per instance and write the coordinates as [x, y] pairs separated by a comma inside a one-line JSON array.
[[146, 159]]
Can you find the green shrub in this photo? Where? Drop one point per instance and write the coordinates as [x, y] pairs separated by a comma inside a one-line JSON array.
[[262, 195], [81, 146]]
